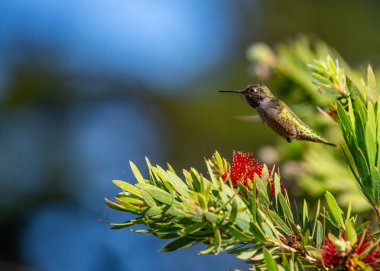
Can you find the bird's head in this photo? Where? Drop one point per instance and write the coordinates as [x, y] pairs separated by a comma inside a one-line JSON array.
[[254, 93]]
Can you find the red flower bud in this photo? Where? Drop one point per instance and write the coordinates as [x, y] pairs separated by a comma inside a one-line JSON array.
[[341, 255], [244, 167]]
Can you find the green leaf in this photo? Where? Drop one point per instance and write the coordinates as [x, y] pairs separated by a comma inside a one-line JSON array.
[[207, 250], [363, 266], [276, 219], [192, 228], [352, 167], [316, 218], [177, 244], [154, 179], [164, 183], [363, 227], [319, 234], [363, 169], [306, 238], [218, 159], [177, 183], [254, 205], [277, 185], [195, 180], [148, 199], [320, 78], [211, 174], [336, 212], [234, 210], [269, 230], [285, 207], [376, 186], [305, 214], [157, 193], [153, 211], [243, 221], [176, 209], [245, 253], [115, 206], [269, 261], [285, 262], [136, 172], [171, 169], [217, 240], [258, 233], [371, 82], [132, 208], [347, 127], [262, 190], [351, 232], [370, 136], [351, 114], [129, 198], [378, 132], [165, 235], [241, 236], [128, 188], [360, 138], [213, 218], [116, 226], [202, 201], [348, 214], [313, 251], [330, 63]]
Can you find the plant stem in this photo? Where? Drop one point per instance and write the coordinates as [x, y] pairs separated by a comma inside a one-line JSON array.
[[377, 211], [312, 260]]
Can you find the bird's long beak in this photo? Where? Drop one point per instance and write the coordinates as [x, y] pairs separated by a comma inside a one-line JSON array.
[[232, 91]]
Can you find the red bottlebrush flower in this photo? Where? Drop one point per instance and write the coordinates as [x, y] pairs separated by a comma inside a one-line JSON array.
[[244, 167], [340, 254], [373, 257], [334, 250]]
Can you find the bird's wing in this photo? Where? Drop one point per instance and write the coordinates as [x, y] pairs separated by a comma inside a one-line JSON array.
[[278, 116], [273, 107], [250, 118]]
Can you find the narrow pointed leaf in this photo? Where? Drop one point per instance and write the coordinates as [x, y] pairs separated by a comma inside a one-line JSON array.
[[180, 243], [269, 261], [157, 193], [336, 212], [136, 172], [128, 187], [319, 234], [351, 232]]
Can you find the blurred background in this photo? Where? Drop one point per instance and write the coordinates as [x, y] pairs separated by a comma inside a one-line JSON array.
[[86, 86]]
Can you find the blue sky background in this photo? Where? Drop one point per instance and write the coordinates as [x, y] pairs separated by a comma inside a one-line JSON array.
[[67, 154], [166, 44]]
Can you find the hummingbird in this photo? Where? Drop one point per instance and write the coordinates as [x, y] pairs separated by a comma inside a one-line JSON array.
[[277, 115]]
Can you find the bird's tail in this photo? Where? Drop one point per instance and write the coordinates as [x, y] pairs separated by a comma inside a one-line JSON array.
[[317, 139], [324, 141]]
